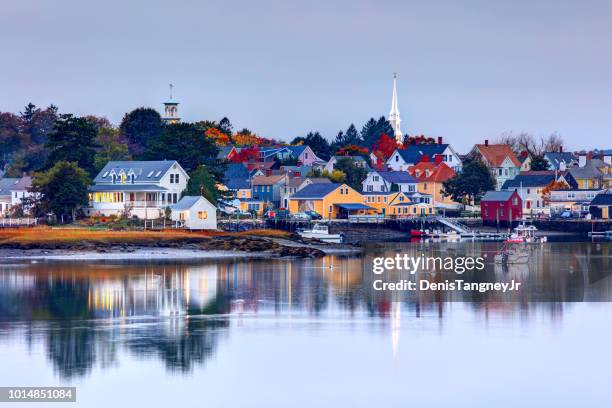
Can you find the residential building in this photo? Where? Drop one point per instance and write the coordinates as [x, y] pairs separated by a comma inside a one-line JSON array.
[[501, 207], [330, 200], [20, 190], [401, 159], [195, 213], [140, 189], [601, 206], [383, 181], [399, 204], [359, 161], [574, 200], [560, 160], [431, 177], [237, 180], [500, 159], [290, 188], [590, 174], [6, 184], [268, 188], [530, 186], [302, 153], [252, 205], [227, 152], [525, 160]]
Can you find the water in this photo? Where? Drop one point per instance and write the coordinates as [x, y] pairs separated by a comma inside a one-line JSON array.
[[279, 333]]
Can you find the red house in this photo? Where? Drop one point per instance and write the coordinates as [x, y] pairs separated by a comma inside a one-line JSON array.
[[502, 206]]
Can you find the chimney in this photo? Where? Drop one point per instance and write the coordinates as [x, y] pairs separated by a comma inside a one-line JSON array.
[[590, 156], [582, 160], [268, 172], [486, 142], [439, 139], [424, 158], [438, 158], [561, 149], [524, 154]]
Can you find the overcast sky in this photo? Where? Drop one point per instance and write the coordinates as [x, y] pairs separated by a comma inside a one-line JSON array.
[[468, 70]]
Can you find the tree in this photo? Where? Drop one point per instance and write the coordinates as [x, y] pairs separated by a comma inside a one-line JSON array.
[[11, 139], [246, 154], [353, 150], [414, 140], [201, 182], [350, 137], [386, 146], [373, 129], [36, 125], [184, 143], [319, 145], [471, 183], [538, 162], [111, 147], [355, 175], [525, 141], [225, 126], [243, 138], [73, 140], [141, 127], [61, 189], [553, 186], [219, 138]]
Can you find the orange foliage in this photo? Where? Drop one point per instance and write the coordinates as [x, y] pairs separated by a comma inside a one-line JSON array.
[[220, 138], [553, 186]]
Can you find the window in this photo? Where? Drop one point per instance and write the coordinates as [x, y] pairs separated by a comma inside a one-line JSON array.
[[151, 173], [383, 188], [375, 178], [427, 173], [305, 155], [158, 174], [105, 174], [417, 173], [176, 178], [132, 178], [331, 208], [528, 191], [500, 172], [411, 188], [506, 172], [514, 201], [114, 178], [425, 186], [396, 158], [202, 215]]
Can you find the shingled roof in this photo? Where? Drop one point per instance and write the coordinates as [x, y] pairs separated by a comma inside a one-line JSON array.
[[495, 154], [315, 191], [530, 179]]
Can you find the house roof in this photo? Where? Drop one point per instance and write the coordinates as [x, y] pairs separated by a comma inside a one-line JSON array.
[[6, 185], [556, 158], [497, 196], [295, 181], [187, 202], [297, 150], [603, 198], [353, 206], [414, 153], [437, 172], [397, 177], [144, 171], [125, 187], [24, 184], [590, 170], [236, 176], [354, 158], [530, 179], [237, 184], [319, 180], [495, 154], [267, 180], [315, 191], [225, 150]]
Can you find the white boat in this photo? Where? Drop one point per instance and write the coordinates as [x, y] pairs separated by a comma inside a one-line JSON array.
[[321, 232], [526, 233]]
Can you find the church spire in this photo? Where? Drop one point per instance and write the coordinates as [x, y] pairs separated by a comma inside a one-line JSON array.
[[394, 115], [171, 109]]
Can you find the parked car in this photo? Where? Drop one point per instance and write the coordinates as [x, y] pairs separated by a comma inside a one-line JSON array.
[[301, 217], [279, 214], [313, 215]]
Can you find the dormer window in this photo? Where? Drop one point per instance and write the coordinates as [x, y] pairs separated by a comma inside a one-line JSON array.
[[418, 173], [158, 174], [427, 173], [114, 178], [105, 174], [150, 174]]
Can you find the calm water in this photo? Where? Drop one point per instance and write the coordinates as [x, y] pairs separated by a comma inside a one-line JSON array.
[[280, 333]]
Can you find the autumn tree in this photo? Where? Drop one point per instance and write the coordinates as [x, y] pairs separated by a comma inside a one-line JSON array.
[[355, 174], [385, 146], [416, 140], [246, 154], [553, 186], [218, 137]]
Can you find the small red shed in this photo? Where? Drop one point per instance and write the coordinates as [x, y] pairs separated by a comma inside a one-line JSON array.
[[502, 206]]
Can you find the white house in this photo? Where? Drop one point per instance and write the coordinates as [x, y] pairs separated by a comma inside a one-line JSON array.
[[401, 159], [6, 184], [357, 160], [137, 188], [195, 213], [531, 186], [385, 181], [500, 159], [21, 190]]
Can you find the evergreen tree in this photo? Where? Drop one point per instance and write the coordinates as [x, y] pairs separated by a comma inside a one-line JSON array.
[[538, 162], [73, 140], [111, 147], [373, 129], [319, 145], [355, 175], [201, 182], [225, 126], [141, 128]]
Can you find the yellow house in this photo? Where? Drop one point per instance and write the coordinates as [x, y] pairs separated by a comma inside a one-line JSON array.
[[252, 204], [379, 200], [431, 177], [410, 205], [333, 200]]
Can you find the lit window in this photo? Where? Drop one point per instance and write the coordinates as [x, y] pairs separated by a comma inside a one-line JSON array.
[[202, 215]]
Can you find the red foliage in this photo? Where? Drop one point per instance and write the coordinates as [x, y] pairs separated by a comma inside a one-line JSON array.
[[352, 150], [246, 154], [422, 139], [386, 145]]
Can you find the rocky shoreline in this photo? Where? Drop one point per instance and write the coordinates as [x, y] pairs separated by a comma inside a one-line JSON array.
[[223, 245]]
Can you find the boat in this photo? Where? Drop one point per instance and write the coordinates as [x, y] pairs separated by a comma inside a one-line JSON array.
[[525, 233], [321, 232]]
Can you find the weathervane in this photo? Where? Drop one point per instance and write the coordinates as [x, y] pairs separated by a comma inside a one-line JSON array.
[[171, 86]]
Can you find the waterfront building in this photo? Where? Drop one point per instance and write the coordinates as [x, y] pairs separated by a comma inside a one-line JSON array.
[[574, 200], [590, 174], [399, 204], [431, 177], [500, 159], [383, 181], [402, 159], [501, 206], [141, 189], [531, 187], [6, 184], [601, 206], [194, 213], [330, 200], [268, 188]]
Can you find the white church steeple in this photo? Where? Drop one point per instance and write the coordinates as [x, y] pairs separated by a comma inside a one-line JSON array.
[[394, 115], [171, 109]]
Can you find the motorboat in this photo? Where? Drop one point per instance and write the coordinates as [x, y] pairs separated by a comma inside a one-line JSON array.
[[525, 233], [321, 232]]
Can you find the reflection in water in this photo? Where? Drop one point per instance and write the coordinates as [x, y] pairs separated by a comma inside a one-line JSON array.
[[88, 314]]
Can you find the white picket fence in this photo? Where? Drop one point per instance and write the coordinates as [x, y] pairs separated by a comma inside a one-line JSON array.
[[17, 222]]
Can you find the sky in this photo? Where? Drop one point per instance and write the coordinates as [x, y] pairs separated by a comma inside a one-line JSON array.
[[468, 70]]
